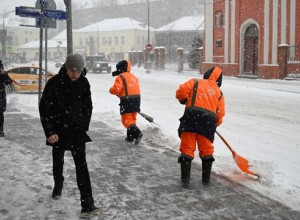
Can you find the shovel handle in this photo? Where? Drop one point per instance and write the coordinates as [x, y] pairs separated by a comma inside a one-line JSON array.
[[225, 142]]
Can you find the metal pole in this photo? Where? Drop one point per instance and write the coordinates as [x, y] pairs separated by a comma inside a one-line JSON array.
[[4, 35], [69, 27], [42, 23], [148, 51], [46, 51], [97, 39], [148, 21]]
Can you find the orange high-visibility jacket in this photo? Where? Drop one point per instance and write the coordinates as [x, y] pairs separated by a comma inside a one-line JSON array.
[[127, 87], [205, 106]]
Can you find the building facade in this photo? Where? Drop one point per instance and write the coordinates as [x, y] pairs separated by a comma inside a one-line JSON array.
[[180, 33], [255, 38]]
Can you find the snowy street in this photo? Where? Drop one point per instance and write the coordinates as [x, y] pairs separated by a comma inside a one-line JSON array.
[[143, 182]]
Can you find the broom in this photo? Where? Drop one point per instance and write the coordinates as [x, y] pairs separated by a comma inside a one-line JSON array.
[[148, 118], [242, 163]]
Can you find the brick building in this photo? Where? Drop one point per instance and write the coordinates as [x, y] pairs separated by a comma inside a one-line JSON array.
[[252, 38]]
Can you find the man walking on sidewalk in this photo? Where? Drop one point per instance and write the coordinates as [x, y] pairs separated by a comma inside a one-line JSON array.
[[65, 111], [127, 88], [204, 110]]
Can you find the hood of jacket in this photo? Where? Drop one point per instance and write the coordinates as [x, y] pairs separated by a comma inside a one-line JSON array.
[[214, 74]]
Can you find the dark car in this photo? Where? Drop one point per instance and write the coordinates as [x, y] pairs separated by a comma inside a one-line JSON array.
[[59, 63], [97, 64]]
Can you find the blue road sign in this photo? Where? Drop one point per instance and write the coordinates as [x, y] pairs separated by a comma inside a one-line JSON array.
[[28, 12], [56, 14]]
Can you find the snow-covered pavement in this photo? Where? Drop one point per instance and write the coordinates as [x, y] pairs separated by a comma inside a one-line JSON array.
[[261, 123]]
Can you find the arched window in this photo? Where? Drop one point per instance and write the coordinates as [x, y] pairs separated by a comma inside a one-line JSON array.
[[251, 31]]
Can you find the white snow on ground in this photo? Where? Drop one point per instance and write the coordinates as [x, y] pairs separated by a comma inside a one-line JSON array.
[[261, 123]]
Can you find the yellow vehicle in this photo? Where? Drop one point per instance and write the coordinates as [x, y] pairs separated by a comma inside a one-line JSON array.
[[26, 78]]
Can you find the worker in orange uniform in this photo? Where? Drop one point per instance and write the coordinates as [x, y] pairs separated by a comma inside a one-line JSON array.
[[127, 88], [204, 110]]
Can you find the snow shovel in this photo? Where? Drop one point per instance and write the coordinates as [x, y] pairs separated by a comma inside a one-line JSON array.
[[148, 118], [242, 163]]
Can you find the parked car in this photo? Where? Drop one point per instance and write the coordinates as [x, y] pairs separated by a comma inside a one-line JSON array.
[[58, 64], [26, 78], [97, 63]]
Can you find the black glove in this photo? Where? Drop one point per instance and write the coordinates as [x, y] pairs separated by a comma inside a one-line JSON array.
[[183, 101]]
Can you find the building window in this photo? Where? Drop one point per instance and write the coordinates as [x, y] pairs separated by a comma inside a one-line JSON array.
[[219, 19], [219, 43], [122, 40], [103, 41], [138, 40], [116, 40], [109, 40], [80, 42]]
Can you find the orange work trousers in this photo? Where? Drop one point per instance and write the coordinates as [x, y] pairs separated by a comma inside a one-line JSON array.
[[189, 141], [128, 119]]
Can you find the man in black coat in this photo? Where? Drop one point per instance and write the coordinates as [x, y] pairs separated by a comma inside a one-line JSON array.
[[4, 80], [65, 112]]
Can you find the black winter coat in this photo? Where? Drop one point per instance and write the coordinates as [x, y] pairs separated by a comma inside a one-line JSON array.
[[66, 109], [4, 80]]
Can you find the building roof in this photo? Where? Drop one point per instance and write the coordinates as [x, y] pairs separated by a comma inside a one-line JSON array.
[[115, 24], [51, 44], [189, 23]]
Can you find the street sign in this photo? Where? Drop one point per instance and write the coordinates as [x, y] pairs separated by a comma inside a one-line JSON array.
[[51, 23], [9, 48], [48, 5], [149, 47], [28, 12], [56, 14]]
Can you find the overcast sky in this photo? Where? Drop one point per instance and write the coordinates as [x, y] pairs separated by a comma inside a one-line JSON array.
[[11, 4]]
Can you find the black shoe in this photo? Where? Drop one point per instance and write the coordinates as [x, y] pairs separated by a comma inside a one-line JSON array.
[[90, 211], [138, 139], [58, 186], [2, 134], [129, 139]]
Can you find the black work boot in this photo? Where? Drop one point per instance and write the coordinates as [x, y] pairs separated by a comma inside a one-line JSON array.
[[1, 131], [138, 139], [58, 186], [134, 134], [186, 164], [130, 133], [206, 168]]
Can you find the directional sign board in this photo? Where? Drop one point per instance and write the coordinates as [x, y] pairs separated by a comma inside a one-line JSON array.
[[51, 16], [28, 12], [48, 5], [56, 14]]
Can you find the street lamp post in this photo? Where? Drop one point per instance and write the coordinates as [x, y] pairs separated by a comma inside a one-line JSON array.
[[4, 34], [97, 39], [148, 21], [148, 51]]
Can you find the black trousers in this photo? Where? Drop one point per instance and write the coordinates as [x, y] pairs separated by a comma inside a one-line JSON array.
[[1, 119], [82, 173]]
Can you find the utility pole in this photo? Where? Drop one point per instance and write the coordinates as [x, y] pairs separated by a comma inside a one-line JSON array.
[[42, 24], [69, 27]]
